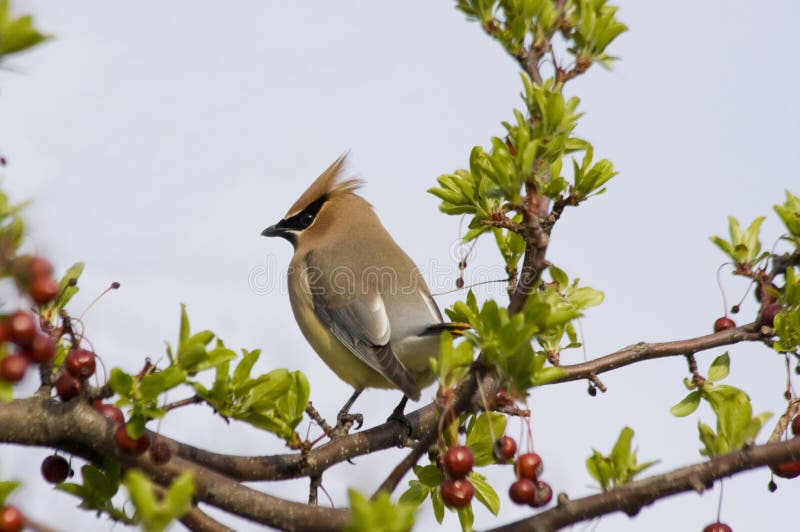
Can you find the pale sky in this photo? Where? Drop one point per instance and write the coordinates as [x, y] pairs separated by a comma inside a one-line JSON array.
[[158, 140]]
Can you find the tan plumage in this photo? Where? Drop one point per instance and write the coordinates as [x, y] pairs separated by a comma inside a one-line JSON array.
[[359, 299]]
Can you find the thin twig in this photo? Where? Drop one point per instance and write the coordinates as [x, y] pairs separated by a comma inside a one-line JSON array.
[[317, 418], [183, 402], [316, 482], [648, 351]]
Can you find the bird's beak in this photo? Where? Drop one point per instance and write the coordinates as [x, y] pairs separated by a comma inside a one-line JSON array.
[[272, 230]]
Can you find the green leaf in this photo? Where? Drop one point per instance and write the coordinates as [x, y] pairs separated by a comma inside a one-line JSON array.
[[99, 485], [178, 499], [379, 515], [6, 487], [453, 362], [485, 493], [620, 467], [744, 247], [157, 515], [415, 494], [712, 445], [67, 288], [622, 451], [688, 405], [6, 391], [158, 382], [465, 517], [183, 329], [479, 437], [242, 372], [789, 214], [121, 383], [719, 368], [17, 34], [429, 475]]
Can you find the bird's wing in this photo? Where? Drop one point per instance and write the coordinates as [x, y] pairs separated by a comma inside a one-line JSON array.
[[363, 327]]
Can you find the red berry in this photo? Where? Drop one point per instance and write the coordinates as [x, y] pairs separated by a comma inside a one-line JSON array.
[[42, 348], [529, 465], [458, 461], [796, 425], [128, 445], [68, 387], [717, 527], [43, 289], [543, 494], [159, 452], [769, 312], [787, 469], [13, 367], [11, 519], [110, 411], [55, 469], [21, 328], [505, 448], [80, 363], [723, 323], [457, 493], [522, 491]]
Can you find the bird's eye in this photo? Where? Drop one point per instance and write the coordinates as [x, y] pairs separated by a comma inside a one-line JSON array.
[[306, 219]]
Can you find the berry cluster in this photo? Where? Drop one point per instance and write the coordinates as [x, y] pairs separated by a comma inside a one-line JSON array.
[[79, 365], [528, 489], [457, 490], [32, 347]]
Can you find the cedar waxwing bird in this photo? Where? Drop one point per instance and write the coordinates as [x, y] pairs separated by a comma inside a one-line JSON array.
[[359, 299]]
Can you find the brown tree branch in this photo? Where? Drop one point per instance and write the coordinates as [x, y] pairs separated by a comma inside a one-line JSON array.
[[633, 496], [318, 459], [76, 427], [387, 435], [198, 520], [648, 351]]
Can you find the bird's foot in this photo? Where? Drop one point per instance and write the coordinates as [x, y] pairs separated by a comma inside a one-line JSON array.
[[344, 422], [398, 414]]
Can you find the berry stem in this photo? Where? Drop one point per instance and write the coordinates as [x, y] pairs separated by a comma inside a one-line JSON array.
[[722, 289]]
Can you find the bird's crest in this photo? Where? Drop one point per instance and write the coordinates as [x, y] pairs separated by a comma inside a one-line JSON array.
[[328, 185]]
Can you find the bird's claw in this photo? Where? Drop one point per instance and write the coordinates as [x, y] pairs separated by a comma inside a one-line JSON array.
[[344, 422]]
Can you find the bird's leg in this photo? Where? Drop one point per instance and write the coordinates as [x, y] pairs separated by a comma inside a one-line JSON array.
[[345, 420], [398, 414]]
